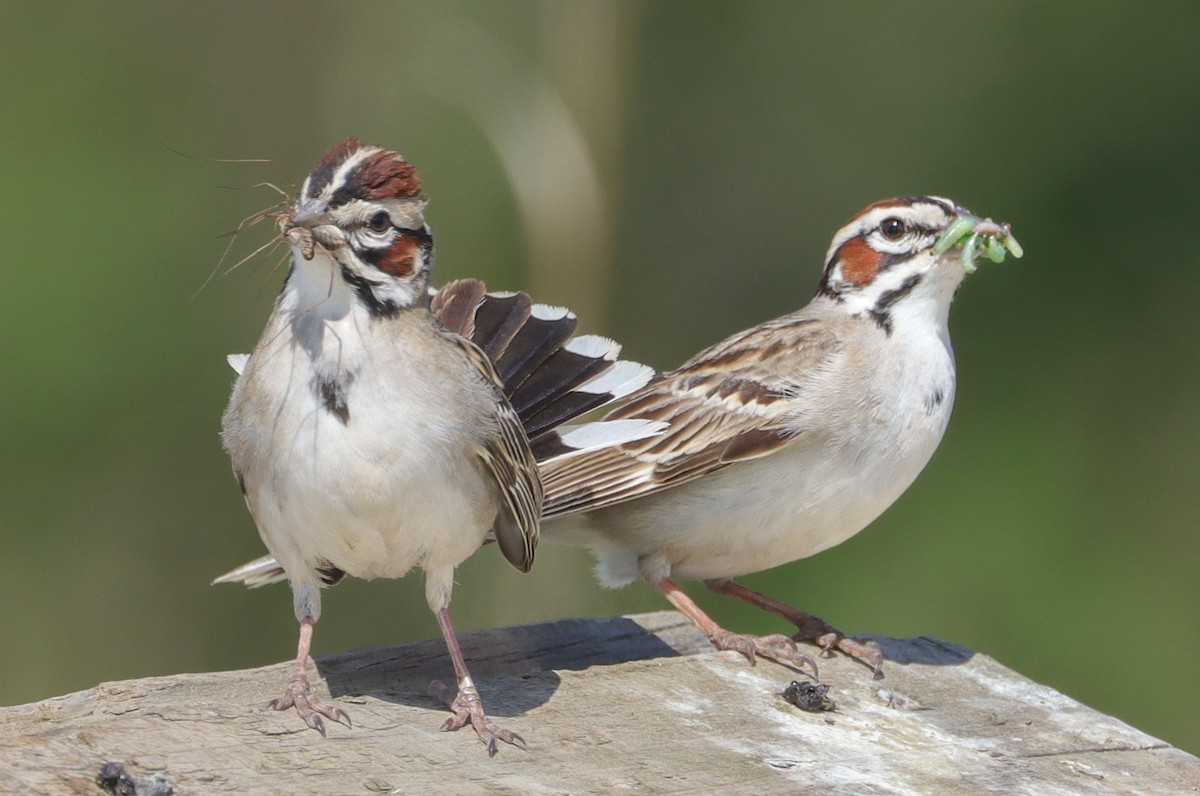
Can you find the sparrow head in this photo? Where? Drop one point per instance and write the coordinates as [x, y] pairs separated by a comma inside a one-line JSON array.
[[918, 246], [360, 211]]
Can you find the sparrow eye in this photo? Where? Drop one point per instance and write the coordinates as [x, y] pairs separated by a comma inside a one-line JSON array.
[[892, 228], [380, 222]]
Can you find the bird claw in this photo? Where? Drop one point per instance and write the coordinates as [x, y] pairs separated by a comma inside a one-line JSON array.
[[468, 709], [298, 695], [777, 647], [827, 642], [869, 652]]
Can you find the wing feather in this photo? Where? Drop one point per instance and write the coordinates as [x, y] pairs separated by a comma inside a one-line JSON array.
[[728, 404], [507, 457]]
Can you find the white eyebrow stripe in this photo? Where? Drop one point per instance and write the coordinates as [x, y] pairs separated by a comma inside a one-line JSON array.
[[343, 171], [929, 212]]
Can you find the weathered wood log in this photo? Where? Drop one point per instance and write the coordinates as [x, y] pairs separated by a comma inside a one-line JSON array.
[[638, 703]]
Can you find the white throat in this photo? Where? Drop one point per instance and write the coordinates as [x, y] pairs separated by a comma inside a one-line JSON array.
[[324, 315]]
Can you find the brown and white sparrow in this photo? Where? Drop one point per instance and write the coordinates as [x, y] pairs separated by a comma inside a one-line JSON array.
[[373, 431], [790, 437]]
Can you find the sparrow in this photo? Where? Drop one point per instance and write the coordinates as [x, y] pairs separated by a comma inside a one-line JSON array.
[[379, 426], [790, 437]]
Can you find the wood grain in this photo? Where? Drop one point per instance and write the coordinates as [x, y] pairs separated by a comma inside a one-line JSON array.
[[633, 704]]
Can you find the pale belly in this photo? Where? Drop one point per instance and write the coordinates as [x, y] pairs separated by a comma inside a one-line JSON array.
[[751, 516], [364, 496]]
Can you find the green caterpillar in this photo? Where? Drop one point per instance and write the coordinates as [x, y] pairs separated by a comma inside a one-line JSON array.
[[979, 238]]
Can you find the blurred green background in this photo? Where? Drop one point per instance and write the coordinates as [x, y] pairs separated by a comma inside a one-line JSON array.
[[674, 172]]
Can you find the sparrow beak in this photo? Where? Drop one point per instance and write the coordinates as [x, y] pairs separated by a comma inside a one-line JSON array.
[[310, 224], [311, 213]]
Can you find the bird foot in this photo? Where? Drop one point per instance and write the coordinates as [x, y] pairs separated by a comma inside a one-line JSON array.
[[869, 652], [776, 647], [468, 709], [298, 695]]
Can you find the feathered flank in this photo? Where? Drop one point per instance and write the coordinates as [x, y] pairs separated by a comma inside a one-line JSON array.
[[555, 378]]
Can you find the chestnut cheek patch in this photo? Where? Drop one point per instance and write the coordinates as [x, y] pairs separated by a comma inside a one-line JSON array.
[[860, 263], [399, 259]]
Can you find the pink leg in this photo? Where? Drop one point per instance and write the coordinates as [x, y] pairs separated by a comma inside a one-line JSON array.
[[467, 706], [776, 647], [811, 628], [298, 693]]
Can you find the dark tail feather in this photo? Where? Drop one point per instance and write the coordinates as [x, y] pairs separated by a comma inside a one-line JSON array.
[[549, 376], [562, 388], [518, 335], [544, 333], [499, 319], [456, 303]]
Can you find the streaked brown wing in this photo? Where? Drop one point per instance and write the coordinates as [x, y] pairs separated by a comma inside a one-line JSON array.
[[727, 404], [507, 457]]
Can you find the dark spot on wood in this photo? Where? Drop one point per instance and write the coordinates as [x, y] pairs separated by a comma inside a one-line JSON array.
[[113, 779], [812, 697]]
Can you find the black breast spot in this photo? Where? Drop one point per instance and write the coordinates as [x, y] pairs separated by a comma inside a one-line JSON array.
[[333, 397]]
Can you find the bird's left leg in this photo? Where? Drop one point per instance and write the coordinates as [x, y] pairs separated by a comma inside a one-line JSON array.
[[466, 704], [809, 627]]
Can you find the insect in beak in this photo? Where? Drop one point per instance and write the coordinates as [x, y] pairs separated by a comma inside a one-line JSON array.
[[304, 239], [978, 238]]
